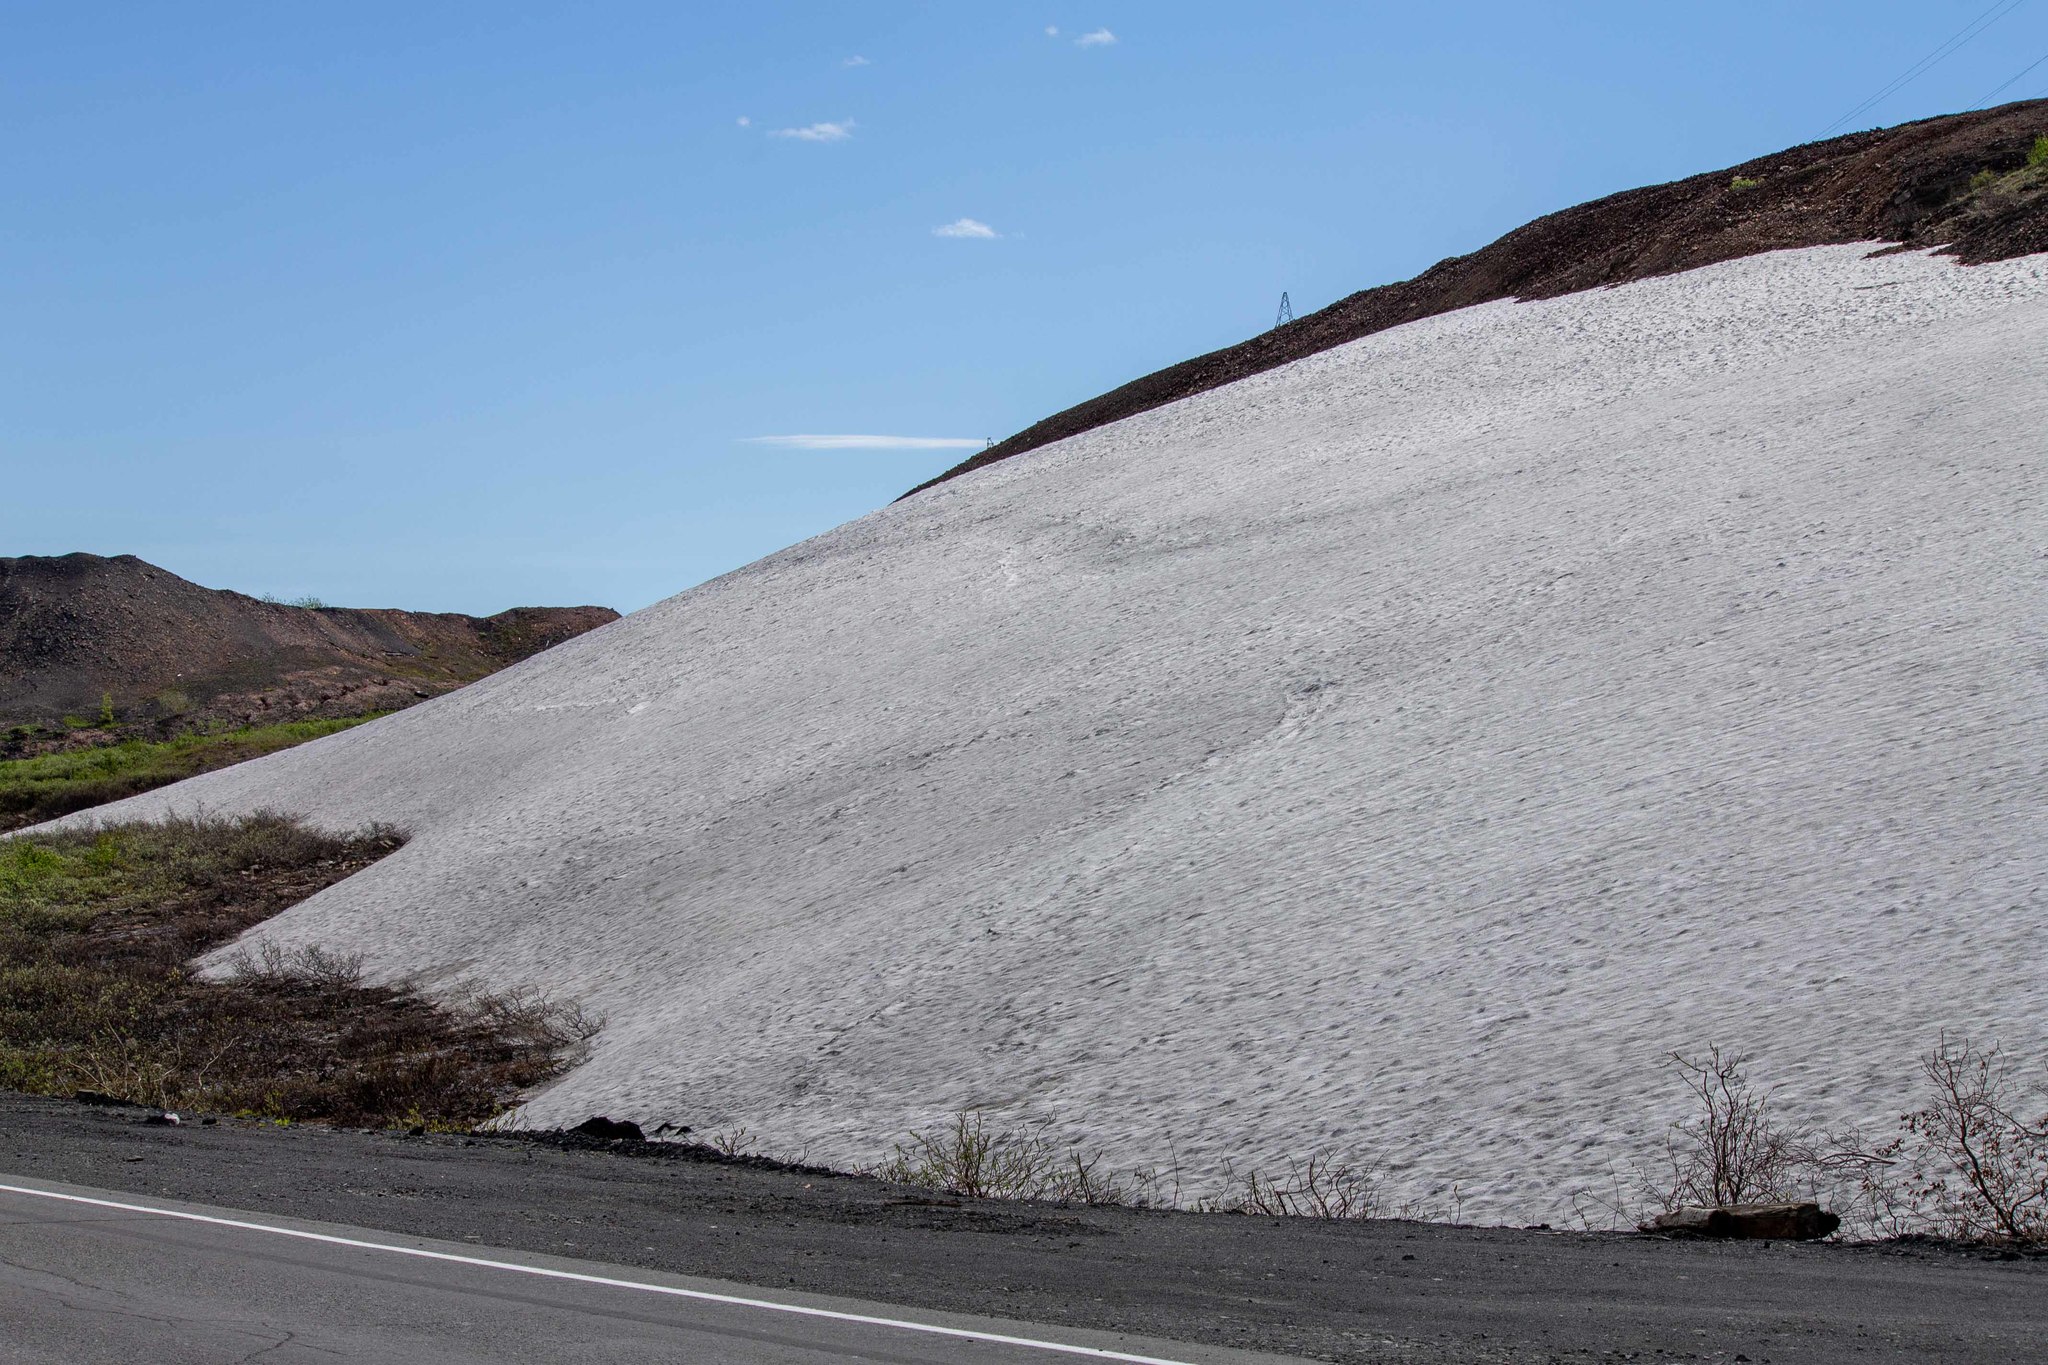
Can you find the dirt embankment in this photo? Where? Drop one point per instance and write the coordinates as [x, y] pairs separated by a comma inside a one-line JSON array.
[[1920, 184], [81, 634]]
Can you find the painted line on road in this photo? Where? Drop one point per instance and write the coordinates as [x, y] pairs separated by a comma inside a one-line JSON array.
[[544, 1272]]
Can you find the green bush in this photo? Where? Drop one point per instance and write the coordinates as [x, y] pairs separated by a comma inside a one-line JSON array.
[[1743, 182], [2039, 155]]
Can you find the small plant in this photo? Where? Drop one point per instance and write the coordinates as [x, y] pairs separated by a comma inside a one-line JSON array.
[[1983, 179], [106, 710], [309, 603], [968, 1158], [1318, 1186], [2037, 155], [1743, 182], [735, 1142], [1730, 1151]]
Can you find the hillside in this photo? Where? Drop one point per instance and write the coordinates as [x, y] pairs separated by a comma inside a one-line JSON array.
[[1920, 184], [1393, 753], [81, 634]]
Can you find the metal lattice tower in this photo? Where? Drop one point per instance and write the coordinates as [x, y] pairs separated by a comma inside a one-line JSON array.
[[1286, 313]]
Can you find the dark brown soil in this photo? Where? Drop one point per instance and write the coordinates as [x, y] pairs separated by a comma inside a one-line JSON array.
[[97, 928], [1910, 185], [78, 632]]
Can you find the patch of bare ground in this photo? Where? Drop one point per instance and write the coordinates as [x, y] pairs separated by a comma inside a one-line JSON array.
[[98, 931], [1959, 182]]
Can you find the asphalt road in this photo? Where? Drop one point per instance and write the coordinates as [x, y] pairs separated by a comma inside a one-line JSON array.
[[88, 1275], [1378, 1292]]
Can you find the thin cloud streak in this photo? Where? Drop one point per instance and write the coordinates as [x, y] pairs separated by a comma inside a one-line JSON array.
[[818, 132], [1101, 37], [966, 227], [811, 442]]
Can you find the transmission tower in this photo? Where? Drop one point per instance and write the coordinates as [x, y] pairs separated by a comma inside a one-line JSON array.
[[1286, 313]]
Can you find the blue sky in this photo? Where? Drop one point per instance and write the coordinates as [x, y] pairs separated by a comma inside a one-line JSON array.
[[460, 306]]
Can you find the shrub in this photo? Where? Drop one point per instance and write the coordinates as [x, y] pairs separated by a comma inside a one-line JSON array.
[[1983, 179], [2037, 155], [967, 1158], [1730, 1151], [1743, 182], [1318, 1186], [1971, 1163]]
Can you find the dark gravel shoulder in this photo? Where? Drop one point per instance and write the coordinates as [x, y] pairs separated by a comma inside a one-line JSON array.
[[1386, 1291], [1919, 185]]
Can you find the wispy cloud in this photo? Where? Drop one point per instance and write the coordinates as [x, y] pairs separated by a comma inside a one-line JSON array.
[[856, 60], [818, 132], [1101, 37], [744, 121], [1052, 30], [966, 227], [808, 442]]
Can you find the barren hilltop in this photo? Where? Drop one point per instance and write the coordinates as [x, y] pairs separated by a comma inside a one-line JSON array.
[[1968, 184], [92, 638]]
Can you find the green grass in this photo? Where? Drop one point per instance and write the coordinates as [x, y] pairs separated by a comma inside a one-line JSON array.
[[97, 931], [1743, 182], [2038, 154], [36, 789]]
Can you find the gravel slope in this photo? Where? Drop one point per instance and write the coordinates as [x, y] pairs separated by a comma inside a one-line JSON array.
[[1397, 751]]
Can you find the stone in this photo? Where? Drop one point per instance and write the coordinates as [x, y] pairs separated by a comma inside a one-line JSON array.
[[610, 1130], [1763, 1222]]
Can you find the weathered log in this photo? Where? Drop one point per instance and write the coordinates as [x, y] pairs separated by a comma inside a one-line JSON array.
[[1774, 1222]]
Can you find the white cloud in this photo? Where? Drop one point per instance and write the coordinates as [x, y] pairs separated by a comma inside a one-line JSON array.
[[1101, 37], [818, 132], [745, 122], [966, 227], [856, 60], [1052, 30], [868, 442]]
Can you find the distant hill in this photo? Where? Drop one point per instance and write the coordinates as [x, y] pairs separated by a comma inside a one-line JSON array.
[[82, 636]]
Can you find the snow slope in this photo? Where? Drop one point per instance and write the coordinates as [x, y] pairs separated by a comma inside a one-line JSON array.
[[1397, 752]]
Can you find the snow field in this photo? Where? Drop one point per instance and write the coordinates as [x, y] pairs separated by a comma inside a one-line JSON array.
[[1395, 753]]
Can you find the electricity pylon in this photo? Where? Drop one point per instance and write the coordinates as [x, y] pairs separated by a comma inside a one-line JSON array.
[[1286, 313]]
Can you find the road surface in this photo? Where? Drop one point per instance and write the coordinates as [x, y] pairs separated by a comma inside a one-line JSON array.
[[1412, 1293], [92, 1275]]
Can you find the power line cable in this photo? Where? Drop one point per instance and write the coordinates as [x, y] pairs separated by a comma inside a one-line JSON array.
[[1920, 68], [2011, 83]]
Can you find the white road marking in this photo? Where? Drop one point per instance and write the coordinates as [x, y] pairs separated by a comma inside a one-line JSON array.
[[1094, 1352]]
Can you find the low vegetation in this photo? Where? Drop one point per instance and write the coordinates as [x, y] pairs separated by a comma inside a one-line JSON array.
[[47, 786], [1970, 1164], [1743, 182], [98, 930], [2038, 154], [966, 1157]]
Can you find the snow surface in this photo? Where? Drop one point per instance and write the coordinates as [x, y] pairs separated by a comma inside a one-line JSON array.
[[1396, 752]]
